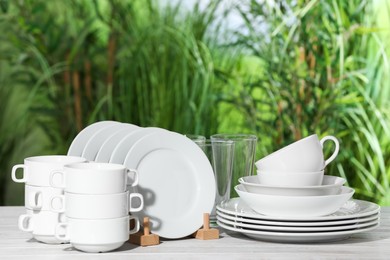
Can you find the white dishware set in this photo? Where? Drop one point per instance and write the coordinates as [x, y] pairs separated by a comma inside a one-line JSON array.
[[39, 219], [291, 200], [175, 177]]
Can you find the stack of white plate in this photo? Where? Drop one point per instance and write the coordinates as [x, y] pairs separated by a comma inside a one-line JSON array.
[[353, 217], [175, 176]]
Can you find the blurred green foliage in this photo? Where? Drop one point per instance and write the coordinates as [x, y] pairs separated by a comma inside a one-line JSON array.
[[293, 69]]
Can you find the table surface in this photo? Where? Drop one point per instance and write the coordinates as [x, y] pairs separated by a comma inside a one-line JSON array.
[[375, 244]]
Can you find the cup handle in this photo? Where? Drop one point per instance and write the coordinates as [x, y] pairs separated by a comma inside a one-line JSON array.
[[21, 223], [141, 198], [18, 166], [136, 226], [51, 179], [63, 201], [336, 150], [135, 173], [64, 236], [35, 201]]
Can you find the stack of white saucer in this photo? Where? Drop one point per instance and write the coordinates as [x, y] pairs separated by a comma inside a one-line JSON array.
[[39, 219]]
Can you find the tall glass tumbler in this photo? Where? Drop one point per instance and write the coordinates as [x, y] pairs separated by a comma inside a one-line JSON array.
[[244, 155], [198, 139], [221, 156]]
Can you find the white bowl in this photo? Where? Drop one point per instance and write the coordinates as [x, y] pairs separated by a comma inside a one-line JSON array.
[[290, 179], [294, 206], [331, 185]]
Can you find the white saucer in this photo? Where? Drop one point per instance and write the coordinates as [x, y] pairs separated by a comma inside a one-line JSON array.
[[176, 180], [77, 146], [297, 229], [96, 141], [298, 237], [351, 209], [123, 147]]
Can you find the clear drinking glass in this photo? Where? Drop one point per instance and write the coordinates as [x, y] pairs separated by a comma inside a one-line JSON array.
[[220, 155], [198, 139], [244, 155]]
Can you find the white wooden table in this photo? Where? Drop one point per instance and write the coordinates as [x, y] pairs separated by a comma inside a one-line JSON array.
[[15, 244]]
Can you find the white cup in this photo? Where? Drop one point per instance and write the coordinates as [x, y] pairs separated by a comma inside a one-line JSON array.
[[39, 197], [93, 178], [290, 179], [96, 206], [96, 235], [305, 155], [42, 225], [37, 169]]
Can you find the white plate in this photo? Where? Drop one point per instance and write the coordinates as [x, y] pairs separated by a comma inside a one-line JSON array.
[[298, 223], [111, 142], [77, 146], [176, 180], [351, 209], [298, 237], [297, 229], [295, 206], [330, 186], [96, 141], [123, 147]]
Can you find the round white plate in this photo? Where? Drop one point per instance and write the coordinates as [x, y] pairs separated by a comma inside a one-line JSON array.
[[111, 142], [123, 147], [297, 223], [176, 180], [95, 142], [77, 146], [351, 209], [298, 237], [297, 229]]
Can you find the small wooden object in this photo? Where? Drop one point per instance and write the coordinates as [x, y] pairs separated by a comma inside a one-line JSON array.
[[206, 233], [145, 238]]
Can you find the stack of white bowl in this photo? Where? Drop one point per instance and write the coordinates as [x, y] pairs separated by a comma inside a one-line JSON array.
[[39, 219], [96, 204], [291, 182]]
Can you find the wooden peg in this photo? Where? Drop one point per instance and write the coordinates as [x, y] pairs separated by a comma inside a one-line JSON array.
[[206, 233], [145, 238]]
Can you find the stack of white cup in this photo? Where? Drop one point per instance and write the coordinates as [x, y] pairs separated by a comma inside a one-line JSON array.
[[40, 220], [96, 203]]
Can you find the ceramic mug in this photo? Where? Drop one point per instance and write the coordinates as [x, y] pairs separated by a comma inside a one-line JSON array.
[[42, 225], [37, 169], [96, 235], [97, 206], [305, 155], [39, 198], [93, 178]]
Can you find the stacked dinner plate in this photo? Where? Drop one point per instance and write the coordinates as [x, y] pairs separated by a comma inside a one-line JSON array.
[[173, 172], [353, 217]]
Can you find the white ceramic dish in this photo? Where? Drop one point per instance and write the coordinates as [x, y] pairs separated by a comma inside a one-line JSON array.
[[297, 223], [105, 151], [297, 237], [304, 155], [94, 143], [294, 206], [77, 146], [290, 179], [123, 147], [331, 185], [350, 210], [176, 180], [297, 229]]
